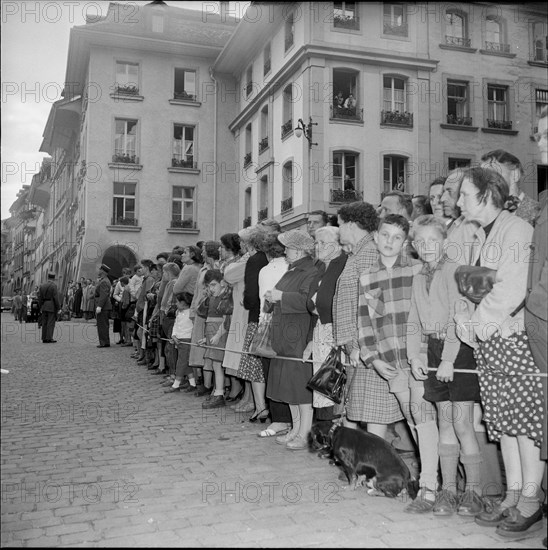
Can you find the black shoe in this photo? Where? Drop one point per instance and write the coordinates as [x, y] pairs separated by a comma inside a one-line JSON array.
[[172, 389], [237, 397], [214, 403], [515, 525], [202, 390], [99, 346], [156, 372]]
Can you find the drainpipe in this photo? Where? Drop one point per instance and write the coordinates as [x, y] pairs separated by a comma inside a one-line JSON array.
[[214, 157]]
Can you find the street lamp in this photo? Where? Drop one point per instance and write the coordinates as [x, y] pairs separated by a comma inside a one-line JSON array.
[[307, 129]]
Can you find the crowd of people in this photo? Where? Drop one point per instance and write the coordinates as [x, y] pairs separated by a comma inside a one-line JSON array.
[[465, 375]]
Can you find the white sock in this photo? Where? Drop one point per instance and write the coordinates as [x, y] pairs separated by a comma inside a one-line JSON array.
[[192, 382], [218, 392], [176, 383]]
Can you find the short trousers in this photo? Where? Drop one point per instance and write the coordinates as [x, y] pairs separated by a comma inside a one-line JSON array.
[[464, 387]]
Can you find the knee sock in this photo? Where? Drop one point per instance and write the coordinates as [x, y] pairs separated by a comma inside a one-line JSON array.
[[472, 465], [511, 499], [449, 460], [527, 506], [428, 440]]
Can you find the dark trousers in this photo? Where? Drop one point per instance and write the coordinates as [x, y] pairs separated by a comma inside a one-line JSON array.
[[102, 328], [279, 412], [48, 325]]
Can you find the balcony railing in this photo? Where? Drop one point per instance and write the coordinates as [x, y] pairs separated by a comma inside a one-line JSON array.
[[346, 113], [119, 220], [345, 195], [500, 124], [287, 204], [184, 95], [125, 158], [540, 56], [457, 41], [287, 128], [247, 159], [396, 30], [126, 89], [181, 163], [346, 21], [398, 118], [266, 68], [262, 214], [459, 121], [186, 224], [497, 47], [263, 144], [246, 222]]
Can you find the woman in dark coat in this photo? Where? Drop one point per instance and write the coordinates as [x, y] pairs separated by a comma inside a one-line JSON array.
[[291, 324]]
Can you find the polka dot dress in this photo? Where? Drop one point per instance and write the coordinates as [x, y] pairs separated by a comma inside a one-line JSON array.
[[512, 403]]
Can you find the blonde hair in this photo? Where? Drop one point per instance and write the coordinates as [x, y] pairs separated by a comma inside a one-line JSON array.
[[333, 232]]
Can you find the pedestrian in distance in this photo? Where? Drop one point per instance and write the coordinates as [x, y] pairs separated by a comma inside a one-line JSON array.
[[50, 305], [103, 306]]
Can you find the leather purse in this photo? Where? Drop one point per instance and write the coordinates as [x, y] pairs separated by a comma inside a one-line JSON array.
[[261, 343], [475, 281], [330, 379]]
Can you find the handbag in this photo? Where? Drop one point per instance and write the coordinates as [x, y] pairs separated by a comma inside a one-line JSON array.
[[261, 343], [475, 281], [330, 379]]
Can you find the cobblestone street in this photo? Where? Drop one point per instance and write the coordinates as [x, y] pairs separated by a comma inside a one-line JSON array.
[[95, 454]]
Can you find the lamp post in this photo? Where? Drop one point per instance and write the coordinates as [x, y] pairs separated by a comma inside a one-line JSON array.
[[307, 129]]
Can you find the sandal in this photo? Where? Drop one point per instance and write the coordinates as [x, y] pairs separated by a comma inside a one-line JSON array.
[[269, 432]]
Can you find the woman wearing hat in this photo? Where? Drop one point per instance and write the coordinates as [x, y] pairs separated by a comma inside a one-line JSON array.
[[291, 323]]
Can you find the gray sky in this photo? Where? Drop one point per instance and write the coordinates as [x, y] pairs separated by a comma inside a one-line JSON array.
[[34, 49]]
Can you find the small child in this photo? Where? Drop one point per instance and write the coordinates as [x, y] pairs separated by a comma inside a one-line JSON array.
[[181, 335], [215, 335], [385, 293], [435, 296]]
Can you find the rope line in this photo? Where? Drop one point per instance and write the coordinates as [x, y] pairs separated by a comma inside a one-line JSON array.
[[432, 369]]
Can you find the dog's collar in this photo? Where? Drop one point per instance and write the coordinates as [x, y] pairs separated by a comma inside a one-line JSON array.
[[334, 427]]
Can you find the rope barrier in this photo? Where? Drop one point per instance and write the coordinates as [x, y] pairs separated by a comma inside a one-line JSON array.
[[461, 371]]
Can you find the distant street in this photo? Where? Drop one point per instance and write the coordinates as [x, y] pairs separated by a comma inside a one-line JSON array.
[[94, 454]]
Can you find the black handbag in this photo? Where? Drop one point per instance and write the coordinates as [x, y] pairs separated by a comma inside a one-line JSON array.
[[331, 377], [475, 281]]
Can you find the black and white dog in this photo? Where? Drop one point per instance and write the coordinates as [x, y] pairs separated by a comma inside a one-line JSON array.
[[363, 457]]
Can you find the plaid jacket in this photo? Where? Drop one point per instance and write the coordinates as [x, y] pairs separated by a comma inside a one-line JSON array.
[[384, 304], [345, 304]]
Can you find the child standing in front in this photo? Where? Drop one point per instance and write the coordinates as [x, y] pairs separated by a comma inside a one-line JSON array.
[[435, 297], [181, 336], [215, 336], [384, 303]]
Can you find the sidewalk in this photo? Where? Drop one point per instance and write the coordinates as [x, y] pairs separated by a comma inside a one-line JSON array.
[[95, 454]]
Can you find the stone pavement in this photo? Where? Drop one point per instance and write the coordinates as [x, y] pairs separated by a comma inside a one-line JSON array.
[[93, 453]]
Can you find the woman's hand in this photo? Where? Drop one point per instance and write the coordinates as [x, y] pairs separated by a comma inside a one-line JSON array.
[[445, 372], [307, 353], [384, 369], [202, 341], [273, 295], [174, 340], [419, 369]]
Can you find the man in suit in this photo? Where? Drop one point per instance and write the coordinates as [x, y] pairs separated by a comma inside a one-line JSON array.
[[103, 306], [49, 303]]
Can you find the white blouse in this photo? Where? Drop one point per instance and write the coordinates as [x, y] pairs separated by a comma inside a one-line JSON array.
[[269, 276]]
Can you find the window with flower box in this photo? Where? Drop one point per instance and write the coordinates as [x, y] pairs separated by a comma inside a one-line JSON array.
[[346, 95], [185, 85], [395, 110], [458, 108], [127, 78], [287, 126], [344, 16], [183, 146], [497, 107], [394, 19], [123, 210], [182, 208], [344, 182], [125, 142]]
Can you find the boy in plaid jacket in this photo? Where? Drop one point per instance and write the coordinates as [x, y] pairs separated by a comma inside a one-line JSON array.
[[383, 308]]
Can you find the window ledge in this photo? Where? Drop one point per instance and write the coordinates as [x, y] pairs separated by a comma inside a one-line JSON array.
[[287, 212], [408, 127], [288, 135], [538, 63], [183, 230], [125, 166], [135, 228], [345, 121], [183, 170], [500, 131], [458, 48], [499, 54], [345, 30], [127, 97], [460, 127], [184, 102]]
